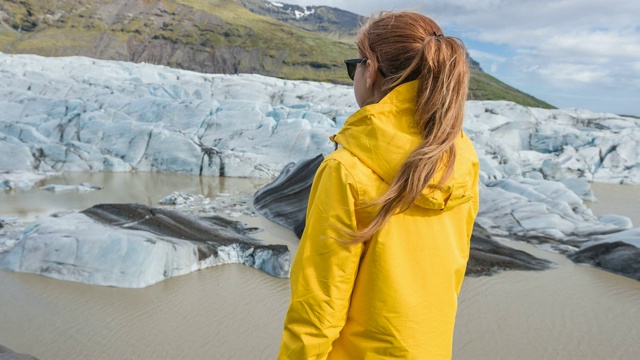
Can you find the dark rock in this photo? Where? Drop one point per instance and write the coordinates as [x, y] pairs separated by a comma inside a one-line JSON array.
[[172, 223], [487, 256], [617, 257], [284, 201], [8, 354]]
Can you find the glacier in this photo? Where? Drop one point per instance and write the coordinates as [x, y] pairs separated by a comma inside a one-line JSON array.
[[78, 114]]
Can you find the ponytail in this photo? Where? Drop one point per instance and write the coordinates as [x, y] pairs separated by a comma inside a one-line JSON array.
[[409, 46]]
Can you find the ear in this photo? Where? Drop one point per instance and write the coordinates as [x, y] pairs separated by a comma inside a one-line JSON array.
[[373, 75]]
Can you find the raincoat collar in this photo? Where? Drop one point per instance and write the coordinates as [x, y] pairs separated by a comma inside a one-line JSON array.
[[382, 136]]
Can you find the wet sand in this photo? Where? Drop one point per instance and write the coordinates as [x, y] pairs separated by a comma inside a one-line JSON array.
[[235, 312]]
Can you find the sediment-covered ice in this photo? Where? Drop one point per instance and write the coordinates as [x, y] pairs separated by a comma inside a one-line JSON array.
[[131, 245]]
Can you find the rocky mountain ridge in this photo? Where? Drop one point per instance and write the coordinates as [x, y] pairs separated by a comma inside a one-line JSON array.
[[330, 21]]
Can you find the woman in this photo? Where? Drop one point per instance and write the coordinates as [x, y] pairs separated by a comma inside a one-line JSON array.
[[390, 215]]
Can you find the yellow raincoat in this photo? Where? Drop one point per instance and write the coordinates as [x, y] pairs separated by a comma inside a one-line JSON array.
[[395, 295]]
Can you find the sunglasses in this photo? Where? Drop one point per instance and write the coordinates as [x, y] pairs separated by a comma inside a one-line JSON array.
[[352, 64]]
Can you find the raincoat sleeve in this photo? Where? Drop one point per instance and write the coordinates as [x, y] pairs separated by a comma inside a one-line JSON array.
[[324, 269]]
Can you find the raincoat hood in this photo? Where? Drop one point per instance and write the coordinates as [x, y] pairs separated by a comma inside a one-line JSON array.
[[382, 136]]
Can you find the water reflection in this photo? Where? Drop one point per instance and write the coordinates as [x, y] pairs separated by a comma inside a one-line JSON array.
[[141, 187]]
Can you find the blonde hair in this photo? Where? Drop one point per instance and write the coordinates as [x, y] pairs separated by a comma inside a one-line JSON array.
[[406, 46]]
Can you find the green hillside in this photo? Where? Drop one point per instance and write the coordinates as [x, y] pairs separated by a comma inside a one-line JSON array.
[[483, 86], [216, 36], [211, 36]]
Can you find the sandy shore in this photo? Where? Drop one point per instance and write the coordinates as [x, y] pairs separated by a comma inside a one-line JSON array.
[[235, 312]]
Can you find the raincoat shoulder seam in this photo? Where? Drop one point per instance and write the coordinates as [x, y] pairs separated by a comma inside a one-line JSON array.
[[346, 169]]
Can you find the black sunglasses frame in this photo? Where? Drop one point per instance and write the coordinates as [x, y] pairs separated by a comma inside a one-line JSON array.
[[352, 64]]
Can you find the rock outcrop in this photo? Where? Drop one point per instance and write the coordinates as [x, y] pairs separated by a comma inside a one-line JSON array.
[[617, 257], [487, 256], [8, 354], [284, 200]]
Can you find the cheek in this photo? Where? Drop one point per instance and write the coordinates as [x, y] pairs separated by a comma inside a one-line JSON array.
[[359, 90], [359, 96]]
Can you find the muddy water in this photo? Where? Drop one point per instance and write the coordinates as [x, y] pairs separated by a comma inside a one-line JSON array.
[[235, 312], [617, 199], [144, 188], [570, 312]]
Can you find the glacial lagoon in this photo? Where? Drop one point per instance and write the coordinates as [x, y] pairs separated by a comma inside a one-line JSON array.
[[235, 312]]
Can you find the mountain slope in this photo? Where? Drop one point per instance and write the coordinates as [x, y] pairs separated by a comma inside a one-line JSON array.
[[206, 36], [215, 36], [483, 86]]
